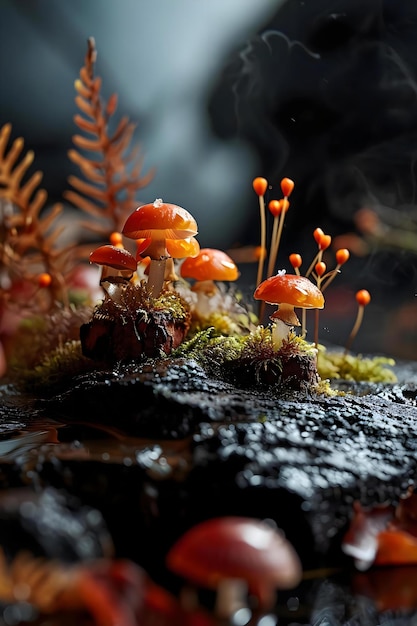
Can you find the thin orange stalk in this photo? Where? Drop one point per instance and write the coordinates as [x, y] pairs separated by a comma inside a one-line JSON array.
[[260, 186], [320, 270], [363, 298], [342, 256], [276, 209]]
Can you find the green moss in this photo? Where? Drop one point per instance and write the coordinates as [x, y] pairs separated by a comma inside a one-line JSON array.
[[335, 365], [58, 365]]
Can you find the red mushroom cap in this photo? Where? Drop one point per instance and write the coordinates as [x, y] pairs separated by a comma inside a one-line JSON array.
[[298, 291], [161, 220], [210, 264], [239, 548], [115, 257]]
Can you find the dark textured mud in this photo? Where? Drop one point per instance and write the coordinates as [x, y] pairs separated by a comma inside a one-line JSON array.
[[180, 447]]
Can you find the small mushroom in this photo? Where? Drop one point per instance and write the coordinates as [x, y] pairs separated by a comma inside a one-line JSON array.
[[288, 291], [208, 266], [114, 258], [158, 222], [237, 549]]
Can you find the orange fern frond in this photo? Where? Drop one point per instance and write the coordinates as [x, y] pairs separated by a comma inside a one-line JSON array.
[[27, 230], [108, 190]]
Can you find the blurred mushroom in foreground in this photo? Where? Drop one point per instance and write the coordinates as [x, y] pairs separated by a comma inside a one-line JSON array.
[[226, 551]]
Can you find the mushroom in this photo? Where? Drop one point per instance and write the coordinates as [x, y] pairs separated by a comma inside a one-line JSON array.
[[158, 222], [288, 291], [208, 266], [116, 258], [237, 549], [176, 248]]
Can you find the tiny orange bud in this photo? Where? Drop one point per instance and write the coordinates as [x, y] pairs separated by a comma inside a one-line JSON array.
[[116, 239], [260, 253], [363, 297], [325, 241], [287, 185], [320, 268], [275, 207], [285, 205], [260, 185], [295, 260], [342, 255], [318, 234], [44, 279]]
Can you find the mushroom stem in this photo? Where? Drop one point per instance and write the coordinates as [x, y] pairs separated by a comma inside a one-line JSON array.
[[156, 276], [280, 331], [230, 597], [206, 287]]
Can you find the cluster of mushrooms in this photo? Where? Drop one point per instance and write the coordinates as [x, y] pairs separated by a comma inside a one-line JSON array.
[[165, 232]]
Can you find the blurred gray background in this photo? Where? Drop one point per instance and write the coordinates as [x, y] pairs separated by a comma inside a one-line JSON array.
[[161, 57], [322, 91]]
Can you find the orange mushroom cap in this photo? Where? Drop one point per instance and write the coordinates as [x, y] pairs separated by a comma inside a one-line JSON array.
[[210, 264], [113, 256], [240, 548], [160, 219], [292, 289], [176, 248]]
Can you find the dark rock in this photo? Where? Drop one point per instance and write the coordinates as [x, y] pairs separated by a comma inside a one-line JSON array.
[[194, 447]]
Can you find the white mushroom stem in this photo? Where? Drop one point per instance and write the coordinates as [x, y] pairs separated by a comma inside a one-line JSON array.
[[159, 255], [207, 287], [279, 331], [156, 276], [284, 319], [231, 596]]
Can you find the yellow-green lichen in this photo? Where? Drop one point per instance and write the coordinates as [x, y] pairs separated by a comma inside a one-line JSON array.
[[337, 365]]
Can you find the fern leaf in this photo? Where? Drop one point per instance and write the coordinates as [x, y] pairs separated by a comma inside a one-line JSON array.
[[87, 189], [83, 162], [83, 91], [28, 189], [111, 105], [83, 124], [107, 180], [4, 139], [82, 203], [84, 106], [87, 144]]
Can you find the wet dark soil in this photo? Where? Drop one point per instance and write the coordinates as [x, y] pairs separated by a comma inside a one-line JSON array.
[[158, 447]]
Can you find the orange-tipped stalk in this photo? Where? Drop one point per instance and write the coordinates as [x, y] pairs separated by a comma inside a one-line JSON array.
[[275, 208], [276, 239], [320, 270], [287, 185], [363, 298], [296, 261], [342, 255], [260, 185], [323, 242]]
